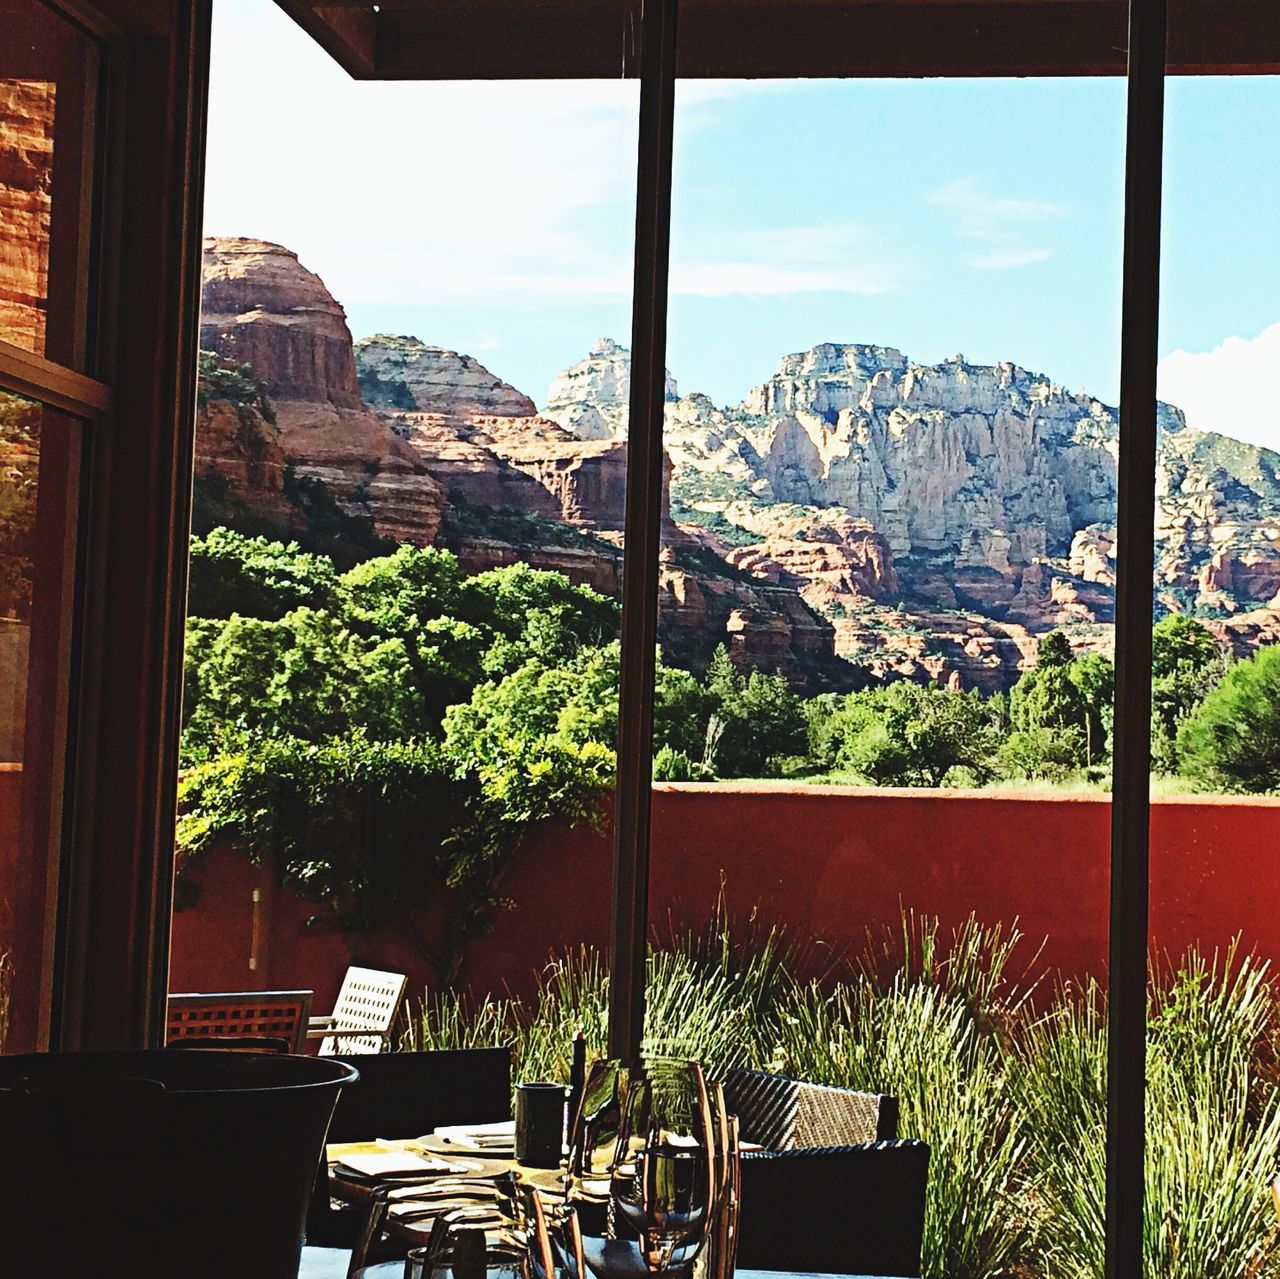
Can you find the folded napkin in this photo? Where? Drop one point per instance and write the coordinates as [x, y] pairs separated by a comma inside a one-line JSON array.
[[394, 1163], [499, 1136]]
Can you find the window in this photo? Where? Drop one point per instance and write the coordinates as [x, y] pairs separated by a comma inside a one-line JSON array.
[[48, 72]]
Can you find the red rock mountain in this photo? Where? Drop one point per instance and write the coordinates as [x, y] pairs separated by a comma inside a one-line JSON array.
[[263, 308], [429, 446]]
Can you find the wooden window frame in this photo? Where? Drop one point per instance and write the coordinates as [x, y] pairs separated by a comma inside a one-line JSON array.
[[1130, 830]]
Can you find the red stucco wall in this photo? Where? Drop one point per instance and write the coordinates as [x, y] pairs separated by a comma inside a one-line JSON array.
[[828, 862]]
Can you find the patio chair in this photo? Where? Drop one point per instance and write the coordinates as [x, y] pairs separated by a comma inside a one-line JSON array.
[[362, 1015], [841, 1210], [789, 1114], [240, 1016], [407, 1094]]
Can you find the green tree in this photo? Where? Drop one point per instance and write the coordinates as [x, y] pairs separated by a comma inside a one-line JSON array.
[[255, 577], [305, 675], [1095, 677], [759, 719], [1232, 740], [1187, 662], [1055, 650], [912, 735]]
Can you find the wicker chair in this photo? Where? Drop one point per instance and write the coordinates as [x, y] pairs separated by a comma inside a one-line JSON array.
[[842, 1210], [362, 1015], [789, 1114], [239, 1017]]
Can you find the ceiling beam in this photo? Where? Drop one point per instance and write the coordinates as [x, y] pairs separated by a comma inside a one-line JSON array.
[[559, 39]]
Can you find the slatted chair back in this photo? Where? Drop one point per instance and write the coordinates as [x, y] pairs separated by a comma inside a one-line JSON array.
[[852, 1210], [256, 1014], [790, 1114], [364, 1012]]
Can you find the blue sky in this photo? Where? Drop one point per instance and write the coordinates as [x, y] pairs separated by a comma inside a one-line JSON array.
[[981, 217]]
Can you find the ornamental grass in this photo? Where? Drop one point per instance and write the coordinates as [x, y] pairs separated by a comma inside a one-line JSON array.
[[1001, 1074]]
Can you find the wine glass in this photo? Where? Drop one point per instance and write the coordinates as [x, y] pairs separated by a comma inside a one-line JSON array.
[[644, 1168]]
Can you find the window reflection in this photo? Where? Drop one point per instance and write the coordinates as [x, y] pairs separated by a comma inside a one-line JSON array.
[[38, 465]]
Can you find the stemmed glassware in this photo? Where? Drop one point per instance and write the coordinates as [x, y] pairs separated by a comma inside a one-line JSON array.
[[647, 1167]]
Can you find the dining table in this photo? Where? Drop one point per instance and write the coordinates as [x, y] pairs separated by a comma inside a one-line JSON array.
[[355, 1189]]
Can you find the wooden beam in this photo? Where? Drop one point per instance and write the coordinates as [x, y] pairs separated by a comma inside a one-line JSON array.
[[642, 538], [557, 39], [346, 33], [51, 384]]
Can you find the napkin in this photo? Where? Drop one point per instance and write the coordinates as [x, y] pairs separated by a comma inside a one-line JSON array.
[[499, 1136], [393, 1163]]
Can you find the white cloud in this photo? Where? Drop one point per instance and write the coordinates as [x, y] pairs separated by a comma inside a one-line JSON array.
[[1003, 223], [398, 191], [781, 261], [1231, 389], [515, 191], [1001, 259]]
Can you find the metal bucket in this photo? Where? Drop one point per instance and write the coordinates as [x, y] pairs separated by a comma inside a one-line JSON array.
[[158, 1164]]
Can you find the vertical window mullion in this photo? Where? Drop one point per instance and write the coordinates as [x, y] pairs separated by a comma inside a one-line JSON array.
[[642, 528], [1135, 547]]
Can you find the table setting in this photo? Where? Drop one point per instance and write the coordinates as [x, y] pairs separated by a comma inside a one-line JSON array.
[[629, 1173]]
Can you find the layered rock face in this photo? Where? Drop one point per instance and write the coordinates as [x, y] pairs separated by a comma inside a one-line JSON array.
[[401, 372], [238, 446], [590, 399], [484, 440], [26, 188], [262, 307], [982, 497]]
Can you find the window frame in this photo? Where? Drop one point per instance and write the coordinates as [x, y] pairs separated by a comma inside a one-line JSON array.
[[1131, 799]]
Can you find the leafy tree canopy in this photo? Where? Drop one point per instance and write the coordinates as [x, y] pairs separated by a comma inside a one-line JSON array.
[[1232, 740], [231, 573]]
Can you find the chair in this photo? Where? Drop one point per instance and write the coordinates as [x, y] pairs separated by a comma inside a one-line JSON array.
[[789, 1114], [841, 1210], [273, 1014], [231, 1043], [407, 1095], [362, 1015]]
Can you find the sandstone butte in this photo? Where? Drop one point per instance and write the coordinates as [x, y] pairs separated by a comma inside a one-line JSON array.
[[26, 184], [924, 521], [392, 427]]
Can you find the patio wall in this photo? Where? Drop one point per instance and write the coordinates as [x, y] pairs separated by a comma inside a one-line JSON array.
[[828, 862]]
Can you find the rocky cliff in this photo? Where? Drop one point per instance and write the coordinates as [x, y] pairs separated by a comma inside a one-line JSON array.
[[491, 450], [941, 515], [926, 521], [263, 308], [26, 189], [590, 398]]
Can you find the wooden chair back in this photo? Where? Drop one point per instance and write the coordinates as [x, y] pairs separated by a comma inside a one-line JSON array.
[[257, 1014], [364, 1012]]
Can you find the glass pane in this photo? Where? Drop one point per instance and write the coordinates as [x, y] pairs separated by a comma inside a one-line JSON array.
[[48, 70], [1211, 1075], [897, 772], [38, 466], [418, 666]]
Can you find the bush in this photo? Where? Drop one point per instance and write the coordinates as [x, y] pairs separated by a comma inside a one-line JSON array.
[[1232, 741]]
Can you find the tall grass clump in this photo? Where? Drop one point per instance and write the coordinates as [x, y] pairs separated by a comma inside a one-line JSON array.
[[924, 1018], [1212, 1123], [1010, 1094]]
